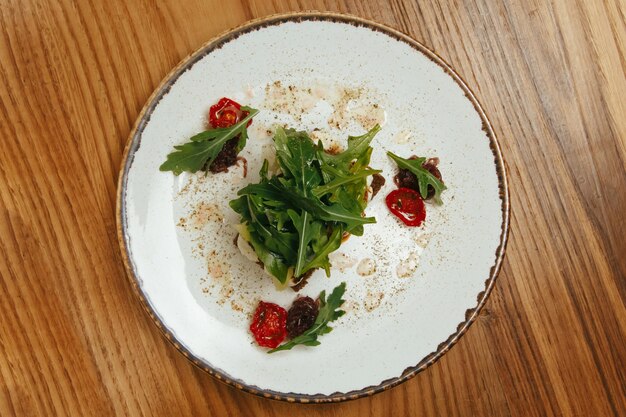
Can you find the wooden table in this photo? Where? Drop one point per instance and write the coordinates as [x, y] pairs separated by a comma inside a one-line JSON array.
[[74, 75]]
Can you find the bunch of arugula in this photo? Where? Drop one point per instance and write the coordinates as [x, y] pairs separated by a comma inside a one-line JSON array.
[[424, 178], [204, 147], [329, 311], [296, 218]]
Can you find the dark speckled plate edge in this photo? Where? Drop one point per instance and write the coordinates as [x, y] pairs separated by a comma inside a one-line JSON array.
[[134, 143]]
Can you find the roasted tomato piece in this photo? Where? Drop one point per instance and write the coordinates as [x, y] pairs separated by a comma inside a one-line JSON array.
[[407, 205], [226, 113], [269, 325], [301, 316]]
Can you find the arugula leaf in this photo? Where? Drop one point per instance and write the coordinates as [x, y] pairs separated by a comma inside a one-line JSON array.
[[328, 312], [358, 188], [243, 139], [342, 180], [295, 153], [205, 146], [275, 190], [349, 164], [307, 230], [338, 213], [264, 170], [424, 177], [324, 247], [273, 263], [356, 146], [276, 241]]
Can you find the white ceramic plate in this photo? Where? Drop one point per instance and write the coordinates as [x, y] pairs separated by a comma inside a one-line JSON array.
[[412, 292]]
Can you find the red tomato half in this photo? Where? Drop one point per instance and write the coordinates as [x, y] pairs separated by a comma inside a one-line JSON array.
[[226, 113], [269, 325], [407, 205]]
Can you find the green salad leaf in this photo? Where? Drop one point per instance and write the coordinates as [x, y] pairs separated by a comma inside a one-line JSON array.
[[329, 312], [297, 217], [424, 177], [204, 147], [323, 247]]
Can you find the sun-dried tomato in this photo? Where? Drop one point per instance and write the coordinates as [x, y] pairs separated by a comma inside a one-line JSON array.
[[269, 325], [301, 316], [226, 113], [407, 205]]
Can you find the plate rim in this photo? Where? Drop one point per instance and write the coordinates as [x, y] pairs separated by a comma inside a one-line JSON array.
[[163, 88]]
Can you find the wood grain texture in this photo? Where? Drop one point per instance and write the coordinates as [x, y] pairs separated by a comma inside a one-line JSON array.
[[74, 75]]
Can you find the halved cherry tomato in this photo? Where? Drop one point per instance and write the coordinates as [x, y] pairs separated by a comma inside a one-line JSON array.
[[407, 205], [226, 113], [269, 325]]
